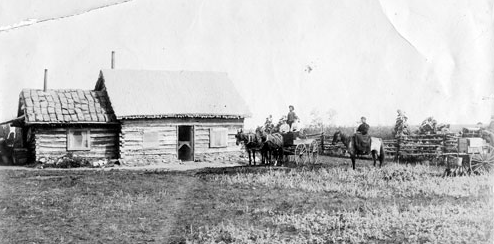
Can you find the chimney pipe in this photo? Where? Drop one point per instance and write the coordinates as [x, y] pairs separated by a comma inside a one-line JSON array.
[[45, 84], [112, 59]]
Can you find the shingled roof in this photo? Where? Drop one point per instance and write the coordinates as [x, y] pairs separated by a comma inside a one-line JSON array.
[[65, 106], [162, 94]]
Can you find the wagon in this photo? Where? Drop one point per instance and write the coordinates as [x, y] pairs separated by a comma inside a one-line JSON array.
[[461, 153], [300, 151], [474, 155]]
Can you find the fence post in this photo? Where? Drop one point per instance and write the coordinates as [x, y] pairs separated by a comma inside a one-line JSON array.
[[322, 143], [398, 142]]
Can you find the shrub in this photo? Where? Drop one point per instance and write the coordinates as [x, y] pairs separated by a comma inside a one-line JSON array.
[[67, 161]]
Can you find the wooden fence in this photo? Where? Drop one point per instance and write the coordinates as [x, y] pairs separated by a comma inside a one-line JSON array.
[[425, 146], [326, 146]]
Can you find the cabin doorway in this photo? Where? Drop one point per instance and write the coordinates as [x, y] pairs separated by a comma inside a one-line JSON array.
[[186, 143]]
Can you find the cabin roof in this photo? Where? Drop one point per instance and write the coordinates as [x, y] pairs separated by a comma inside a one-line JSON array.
[[65, 106], [160, 94]]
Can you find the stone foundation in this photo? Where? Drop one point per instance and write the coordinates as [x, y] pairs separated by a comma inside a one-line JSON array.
[[148, 160], [164, 159], [221, 157]]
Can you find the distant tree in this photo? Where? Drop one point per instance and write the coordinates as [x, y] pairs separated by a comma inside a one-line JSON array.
[[330, 114], [318, 120]]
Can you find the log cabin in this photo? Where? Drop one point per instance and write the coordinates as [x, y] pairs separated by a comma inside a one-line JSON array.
[[136, 116], [57, 122], [168, 116]]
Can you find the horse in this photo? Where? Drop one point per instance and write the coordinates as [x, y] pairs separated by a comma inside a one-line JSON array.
[[251, 142], [272, 145], [377, 147]]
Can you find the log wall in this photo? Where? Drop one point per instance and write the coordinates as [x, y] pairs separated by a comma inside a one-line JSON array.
[[51, 142], [132, 149]]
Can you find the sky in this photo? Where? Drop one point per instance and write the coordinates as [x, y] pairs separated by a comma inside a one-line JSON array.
[[354, 57]]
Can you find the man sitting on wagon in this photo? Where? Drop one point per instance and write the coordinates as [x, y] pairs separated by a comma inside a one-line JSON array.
[[268, 125], [362, 139], [284, 127]]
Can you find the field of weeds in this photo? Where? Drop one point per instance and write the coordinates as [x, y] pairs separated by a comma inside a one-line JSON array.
[[323, 203]]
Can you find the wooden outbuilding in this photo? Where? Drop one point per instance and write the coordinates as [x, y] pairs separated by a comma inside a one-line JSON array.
[[174, 115], [57, 122]]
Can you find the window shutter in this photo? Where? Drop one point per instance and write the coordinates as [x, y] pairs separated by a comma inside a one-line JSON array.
[[150, 139]]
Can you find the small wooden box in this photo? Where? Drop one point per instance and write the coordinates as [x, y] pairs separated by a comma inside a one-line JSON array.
[[462, 145]]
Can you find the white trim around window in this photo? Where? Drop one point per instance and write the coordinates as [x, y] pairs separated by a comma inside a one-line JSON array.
[[78, 140]]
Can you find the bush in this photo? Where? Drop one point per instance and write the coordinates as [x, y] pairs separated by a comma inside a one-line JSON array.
[[67, 161]]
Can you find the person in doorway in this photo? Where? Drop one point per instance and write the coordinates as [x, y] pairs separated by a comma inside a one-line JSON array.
[[364, 127], [291, 117]]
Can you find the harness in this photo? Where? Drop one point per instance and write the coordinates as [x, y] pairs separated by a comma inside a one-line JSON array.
[[249, 138]]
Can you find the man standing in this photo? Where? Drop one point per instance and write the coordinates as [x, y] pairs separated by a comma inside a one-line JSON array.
[[291, 117], [364, 127]]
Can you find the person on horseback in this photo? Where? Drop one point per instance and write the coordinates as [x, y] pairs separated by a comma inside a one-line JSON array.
[[362, 140], [364, 127], [291, 117]]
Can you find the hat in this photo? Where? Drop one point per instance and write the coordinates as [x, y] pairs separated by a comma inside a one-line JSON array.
[[363, 117]]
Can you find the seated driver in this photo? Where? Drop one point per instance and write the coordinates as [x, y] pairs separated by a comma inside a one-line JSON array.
[[284, 128], [295, 126]]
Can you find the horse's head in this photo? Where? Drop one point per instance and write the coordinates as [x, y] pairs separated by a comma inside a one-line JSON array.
[[336, 137], [260, 134], [239, 137]]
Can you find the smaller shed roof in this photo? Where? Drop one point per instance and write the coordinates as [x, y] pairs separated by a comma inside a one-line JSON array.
[[65, 106]]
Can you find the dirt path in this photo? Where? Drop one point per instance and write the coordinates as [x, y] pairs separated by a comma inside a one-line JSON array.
[[167, 233]]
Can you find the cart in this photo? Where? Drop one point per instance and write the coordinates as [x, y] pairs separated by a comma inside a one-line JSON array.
[[474, 155], [300, 150]]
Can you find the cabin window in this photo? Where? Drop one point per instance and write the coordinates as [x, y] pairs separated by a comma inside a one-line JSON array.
[[218, 137], [150, 139], [78, 140]]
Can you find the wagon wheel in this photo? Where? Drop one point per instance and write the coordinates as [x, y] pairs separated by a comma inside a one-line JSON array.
[[482, 162], [314, 152], [300, 154]]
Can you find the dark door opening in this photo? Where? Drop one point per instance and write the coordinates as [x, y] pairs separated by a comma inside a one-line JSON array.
[[186, 143]]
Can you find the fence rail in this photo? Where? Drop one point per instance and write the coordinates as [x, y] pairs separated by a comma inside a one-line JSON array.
[[402, 147]]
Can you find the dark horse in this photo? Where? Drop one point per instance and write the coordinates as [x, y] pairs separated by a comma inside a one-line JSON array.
[[272, 146], [251, 142], [377, 147]]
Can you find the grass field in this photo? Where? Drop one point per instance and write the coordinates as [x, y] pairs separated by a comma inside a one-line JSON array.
[[319, 204]]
